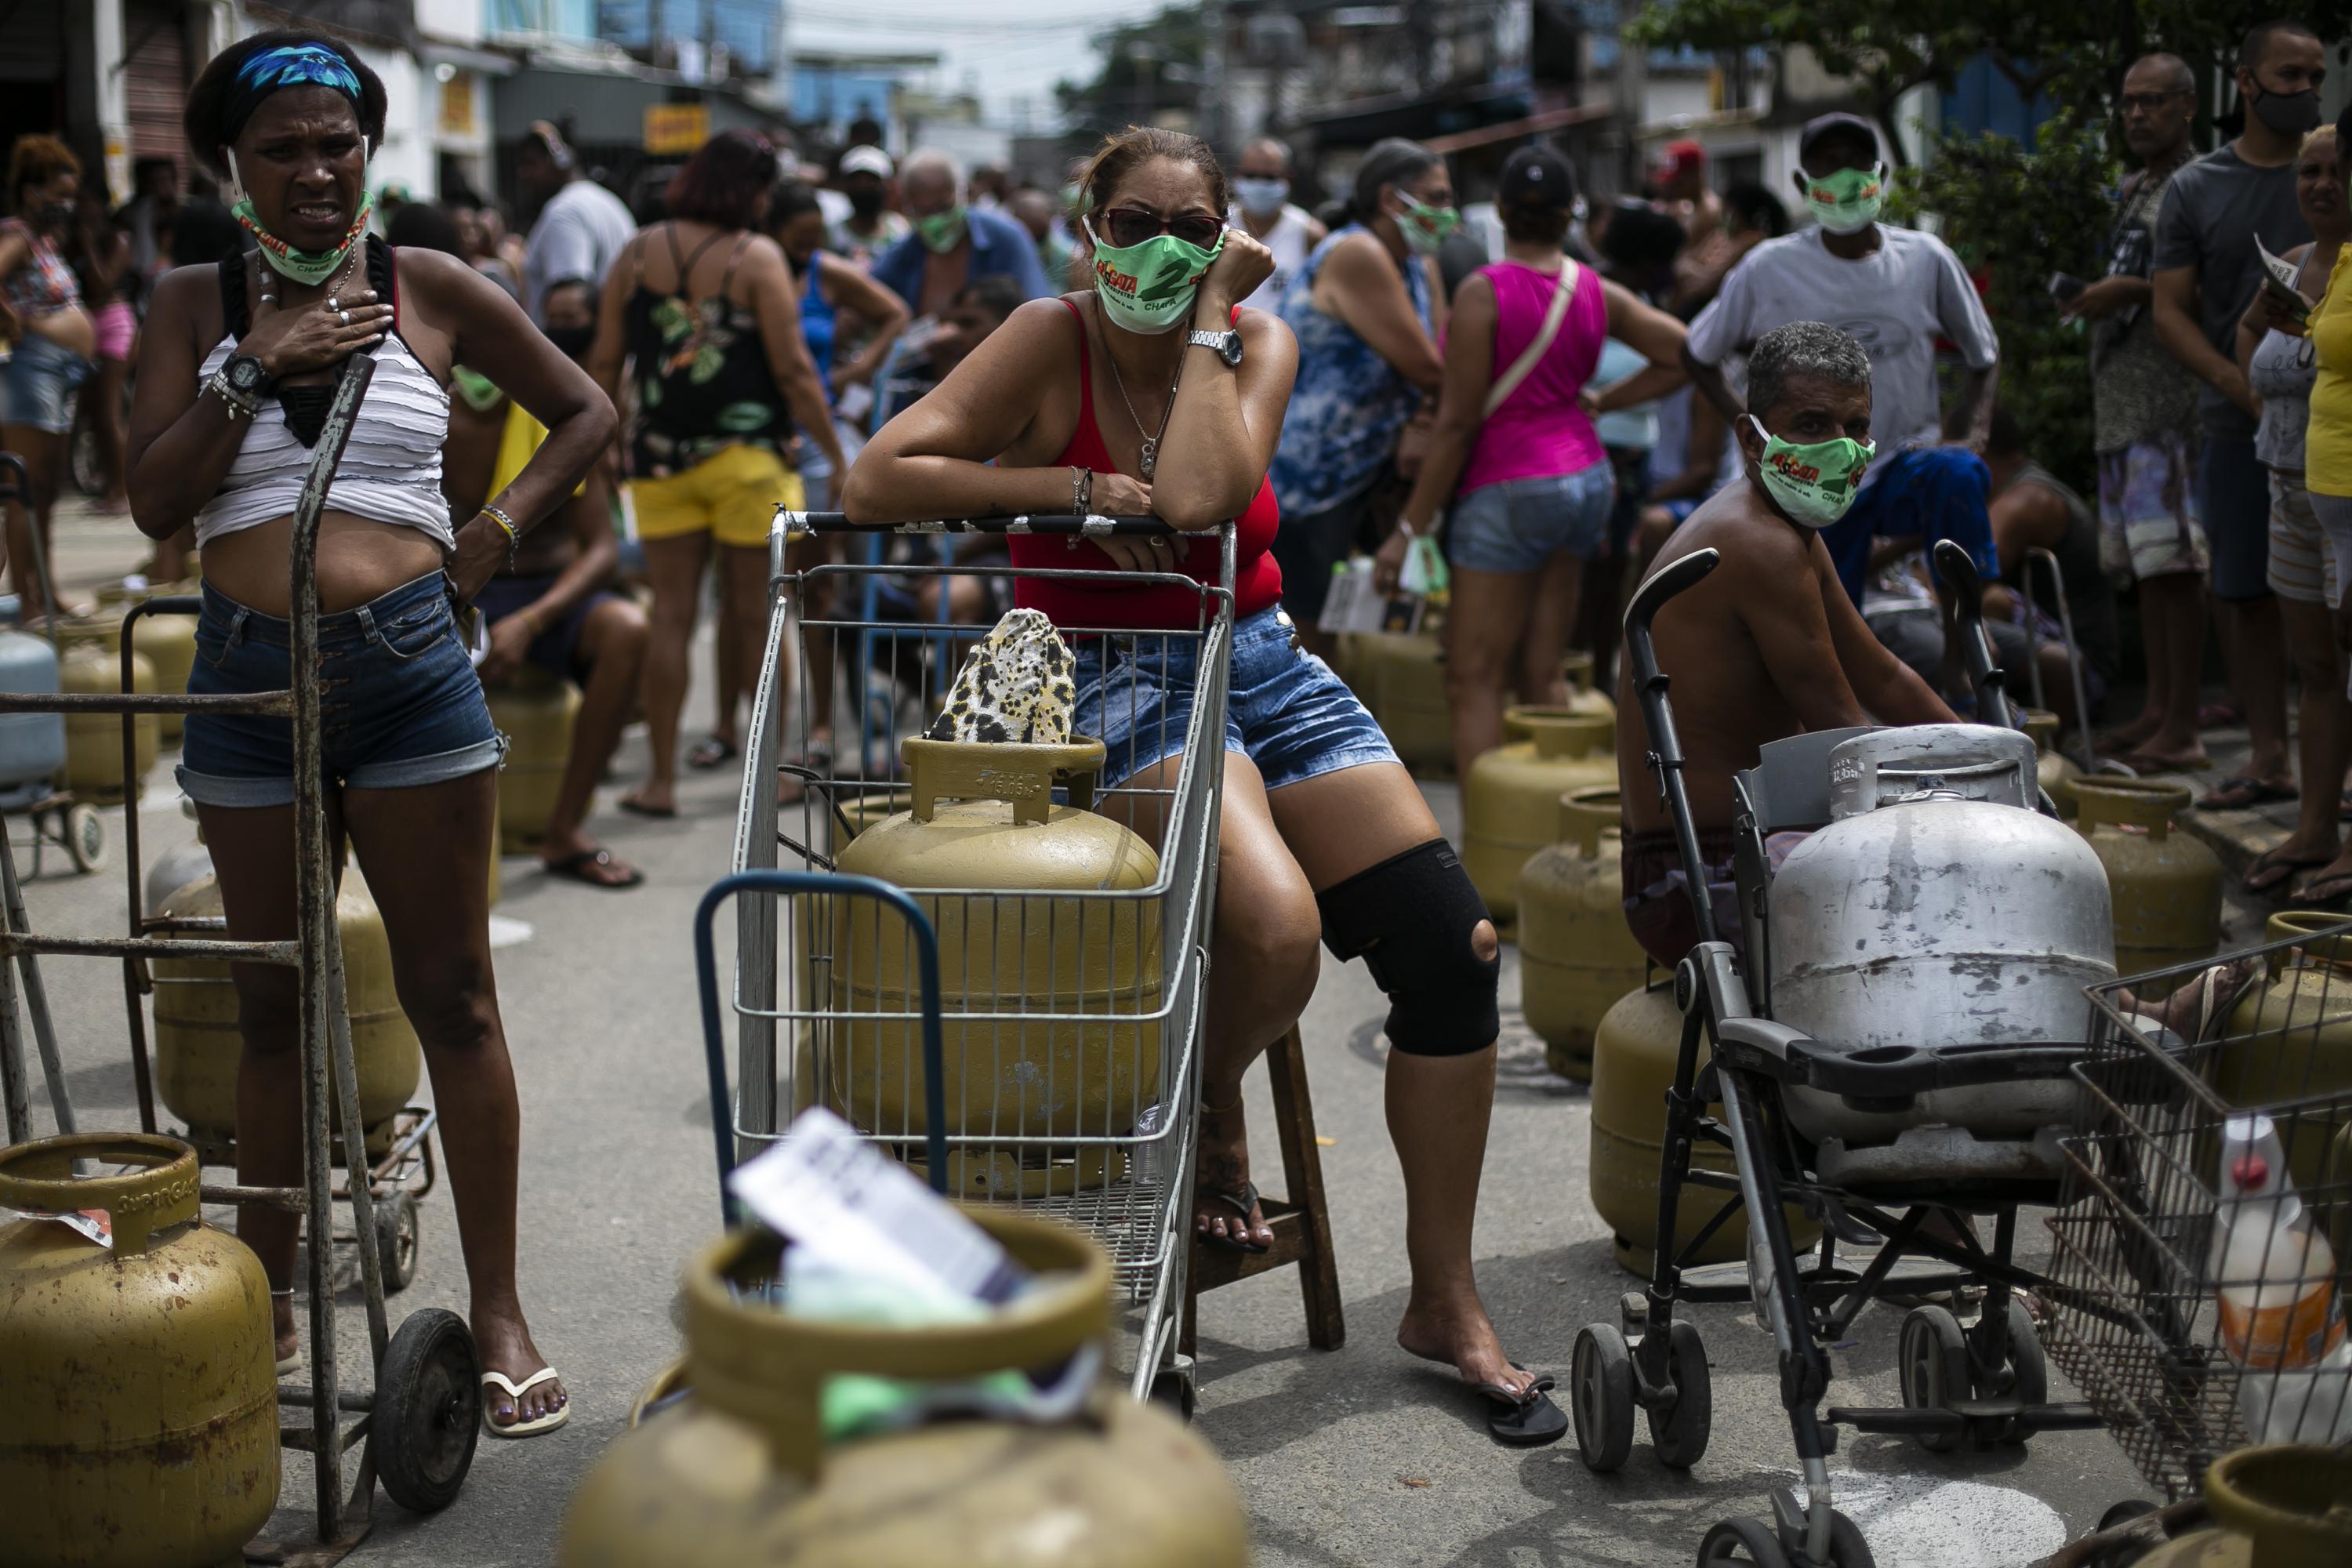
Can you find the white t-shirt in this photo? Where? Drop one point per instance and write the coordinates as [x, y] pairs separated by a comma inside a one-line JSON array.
[[1287, 240], [1894, 301], [579, 233]]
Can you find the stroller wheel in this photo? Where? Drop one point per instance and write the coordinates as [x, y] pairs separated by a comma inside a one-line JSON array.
[[1745, 1542], [1847, 1548], [1933, 1360], [1602, 1397], [2026, 1376], [1679, 1433]]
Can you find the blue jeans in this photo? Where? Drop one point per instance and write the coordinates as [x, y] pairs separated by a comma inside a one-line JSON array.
[[36, 381], [2233, 494], [399, 704], [1935, 492], [1285, 709], [1519, 525]]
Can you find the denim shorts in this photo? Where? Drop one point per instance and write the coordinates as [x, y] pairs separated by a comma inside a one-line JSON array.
[[1519, 525], [37, 381], [399, 703], [1285, 709]]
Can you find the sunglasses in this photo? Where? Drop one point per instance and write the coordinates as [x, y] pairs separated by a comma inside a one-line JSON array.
[[1124, 226]]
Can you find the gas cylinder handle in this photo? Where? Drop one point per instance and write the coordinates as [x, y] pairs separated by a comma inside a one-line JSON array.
[[1020, 774], [1555, 730], [1587, 814], [39, 1178], [768, 1368], [2121, 803]]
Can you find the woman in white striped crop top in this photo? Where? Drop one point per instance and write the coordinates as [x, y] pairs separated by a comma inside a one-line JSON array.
[[236, 368]]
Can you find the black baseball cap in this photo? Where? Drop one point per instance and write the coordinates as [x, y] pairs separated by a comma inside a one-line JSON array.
[[1822, 125], [1537, 175]]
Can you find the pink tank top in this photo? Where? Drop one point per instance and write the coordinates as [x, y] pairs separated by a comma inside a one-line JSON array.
[[1541, 429]]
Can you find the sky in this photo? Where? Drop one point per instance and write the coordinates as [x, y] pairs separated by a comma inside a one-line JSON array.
[[1007, 50]]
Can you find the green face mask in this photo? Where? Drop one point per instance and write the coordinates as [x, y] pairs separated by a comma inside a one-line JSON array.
[[1813, 484], [1426, 227], [943, 231], [1150, 288], [1848, 200], [308, 268]]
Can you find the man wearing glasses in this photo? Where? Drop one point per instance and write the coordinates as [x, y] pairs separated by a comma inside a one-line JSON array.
[[2144, 420]]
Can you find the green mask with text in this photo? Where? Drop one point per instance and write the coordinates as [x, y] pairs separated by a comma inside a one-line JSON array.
[[1150, 288]]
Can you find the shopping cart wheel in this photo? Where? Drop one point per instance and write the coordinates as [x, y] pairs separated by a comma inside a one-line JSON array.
[[1744, 1541], [1602, 1397], [1933, 1360], [85, 838], [428, 1410], [1679, 1433], [2026, 1376], [395, 1240]]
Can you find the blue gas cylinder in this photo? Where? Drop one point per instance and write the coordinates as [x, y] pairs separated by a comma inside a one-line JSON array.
[[32, 745]]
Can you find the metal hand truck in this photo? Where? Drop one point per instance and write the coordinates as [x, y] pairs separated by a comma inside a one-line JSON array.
[[421, 1419], [2137, 1239], [53, 814], [1984, 1384], [1127, 1181]]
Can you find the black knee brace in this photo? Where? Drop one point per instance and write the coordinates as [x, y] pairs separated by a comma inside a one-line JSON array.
[[1413, 919]]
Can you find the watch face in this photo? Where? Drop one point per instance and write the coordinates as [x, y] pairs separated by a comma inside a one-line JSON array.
[[244, 374], [1228, 348]]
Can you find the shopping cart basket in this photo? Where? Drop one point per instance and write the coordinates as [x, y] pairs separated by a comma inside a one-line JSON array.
[[2139, 1240], [1121, 1169]]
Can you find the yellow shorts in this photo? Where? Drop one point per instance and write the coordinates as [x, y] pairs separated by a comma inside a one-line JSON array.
[[731, 494]]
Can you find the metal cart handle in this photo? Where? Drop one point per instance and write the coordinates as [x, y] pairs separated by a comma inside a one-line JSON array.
[[1665, 757], [1053, 524], [1958, 574], [714, 1038]]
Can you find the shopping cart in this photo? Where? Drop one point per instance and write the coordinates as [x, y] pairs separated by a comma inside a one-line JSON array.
[[2137, 1319], [1123, 1170]]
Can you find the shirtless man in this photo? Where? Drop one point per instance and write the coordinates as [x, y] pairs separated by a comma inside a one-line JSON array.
[[552, 606], [1768, 645]]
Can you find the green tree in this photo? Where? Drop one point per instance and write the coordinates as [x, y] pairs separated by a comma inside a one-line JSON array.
[[2077, 54], [2016, 215], [1149, 67]]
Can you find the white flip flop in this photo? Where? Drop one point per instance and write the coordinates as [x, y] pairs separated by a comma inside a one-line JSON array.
[[293, 1364], [515, 1391]]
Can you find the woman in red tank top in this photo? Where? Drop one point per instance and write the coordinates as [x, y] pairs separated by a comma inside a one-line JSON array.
[[1120, 401]]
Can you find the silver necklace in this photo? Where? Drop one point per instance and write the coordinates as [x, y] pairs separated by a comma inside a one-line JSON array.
[[1149, 457]]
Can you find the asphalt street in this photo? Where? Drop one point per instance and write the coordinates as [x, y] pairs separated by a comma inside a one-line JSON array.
[[1361, 1455]]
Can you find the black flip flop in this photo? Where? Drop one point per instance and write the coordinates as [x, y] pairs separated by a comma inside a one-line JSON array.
[[1526, 1420], [573, 868], [2247, 792], [2339, 887], [1241, 1200], [709, 753], [2275, 871]]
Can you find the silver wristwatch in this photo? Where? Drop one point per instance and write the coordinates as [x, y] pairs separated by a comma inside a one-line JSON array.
[[1228, 344]]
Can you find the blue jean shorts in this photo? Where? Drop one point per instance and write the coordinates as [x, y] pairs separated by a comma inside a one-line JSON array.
[[36, 383], [399, 704], [1519, 525], [1285, 709]]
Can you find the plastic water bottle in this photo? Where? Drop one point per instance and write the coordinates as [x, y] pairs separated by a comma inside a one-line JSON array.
[[2281, 1322]]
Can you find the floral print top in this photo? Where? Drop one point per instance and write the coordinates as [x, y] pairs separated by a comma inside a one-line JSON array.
[[1349, 405], [702, 377]]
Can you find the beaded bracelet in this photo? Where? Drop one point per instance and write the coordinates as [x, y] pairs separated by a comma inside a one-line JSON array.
[[514, 534]]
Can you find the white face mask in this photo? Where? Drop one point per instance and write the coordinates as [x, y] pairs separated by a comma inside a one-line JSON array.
[[1261, 197]]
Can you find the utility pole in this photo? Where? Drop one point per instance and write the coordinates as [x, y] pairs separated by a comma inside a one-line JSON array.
[[1632, 78]]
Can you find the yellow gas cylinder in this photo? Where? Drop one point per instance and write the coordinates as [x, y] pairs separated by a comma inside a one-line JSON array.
[[739, 1472], [1053, 924], [2165, 887], [1510, 802], [169, 643], [93, 663], [2297, 1017], [1634, 1053], [137, 1408], [197, 1045], [535, 712], [1581, 697], [1576, 955], [1401, 679], [2057, 772]]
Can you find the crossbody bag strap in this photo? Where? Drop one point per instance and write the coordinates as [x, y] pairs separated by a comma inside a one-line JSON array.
[[1532, 355]]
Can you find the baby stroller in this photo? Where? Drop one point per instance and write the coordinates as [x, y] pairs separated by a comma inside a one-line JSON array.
[[1981, 1384]]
